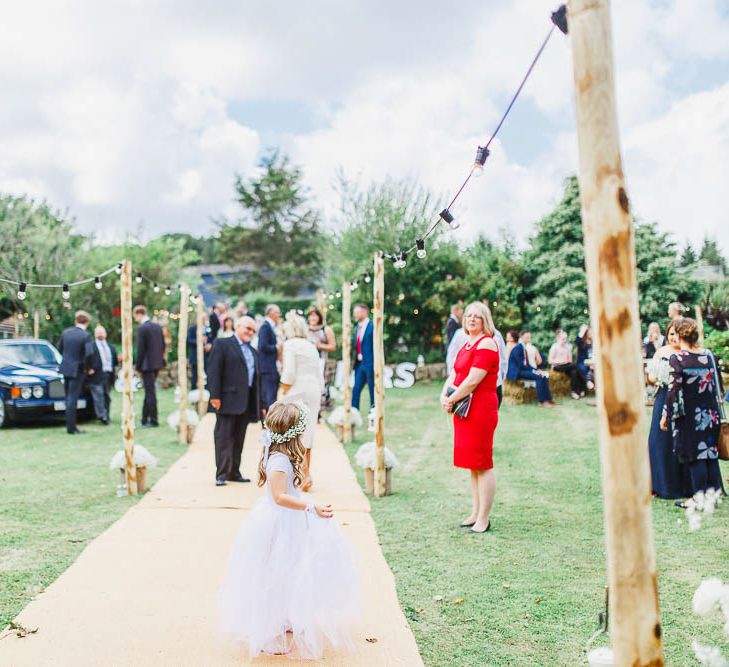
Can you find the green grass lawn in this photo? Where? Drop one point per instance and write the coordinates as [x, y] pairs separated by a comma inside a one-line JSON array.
[[57, 494], [529, 592]]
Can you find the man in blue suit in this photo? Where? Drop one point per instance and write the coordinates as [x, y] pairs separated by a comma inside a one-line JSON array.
[[364, 355], [268, 351], [520, 369], [76, 346]]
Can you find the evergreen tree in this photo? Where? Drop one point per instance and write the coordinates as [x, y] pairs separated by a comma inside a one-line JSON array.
[[277, 238], [711, 254], [688, 255]]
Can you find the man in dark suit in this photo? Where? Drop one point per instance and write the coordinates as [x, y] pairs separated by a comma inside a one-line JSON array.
[[150, 359], [268, 351], [76, 347], [103, 364], [363, 351], [234, 384], [453, 323], [520, 369]]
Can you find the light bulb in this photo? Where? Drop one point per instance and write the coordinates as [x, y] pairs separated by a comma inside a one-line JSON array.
[[48, 317], [421, 253], [139, 278], [455, 225], [97, 283], [168, 290], [118, 269], [481, 154], [477, 170], [447, 216], [156, 288], [355, 284], [338, 295], [66, 293], [21, 291], [367, 278]]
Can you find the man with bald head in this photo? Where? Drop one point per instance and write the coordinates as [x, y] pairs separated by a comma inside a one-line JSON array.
[[234, 384]]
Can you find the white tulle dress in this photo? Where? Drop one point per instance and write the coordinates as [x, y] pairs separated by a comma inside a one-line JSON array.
[[291, 585]]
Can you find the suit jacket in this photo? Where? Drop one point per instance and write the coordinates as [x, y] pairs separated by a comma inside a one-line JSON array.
[[517, 362], [450, 328], [368, 347], [267, 348], [150, 347], [228, 379], [97, 365], [214, 325], [75, 346]]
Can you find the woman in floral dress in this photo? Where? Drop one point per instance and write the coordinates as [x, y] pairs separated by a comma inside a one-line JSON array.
[[692, 408]]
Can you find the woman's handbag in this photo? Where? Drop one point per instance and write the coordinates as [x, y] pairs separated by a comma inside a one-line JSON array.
[[460, 408], [723, 443]]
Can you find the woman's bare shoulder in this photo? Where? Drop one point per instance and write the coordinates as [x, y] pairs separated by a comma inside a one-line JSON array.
[[488, 343]]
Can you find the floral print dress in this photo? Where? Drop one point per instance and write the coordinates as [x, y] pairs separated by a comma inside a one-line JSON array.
[[693, 412]]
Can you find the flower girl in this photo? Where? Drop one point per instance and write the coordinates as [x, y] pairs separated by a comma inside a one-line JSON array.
[[291, 584]]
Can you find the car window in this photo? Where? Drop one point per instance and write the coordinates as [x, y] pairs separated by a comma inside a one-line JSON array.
[[33, 354]]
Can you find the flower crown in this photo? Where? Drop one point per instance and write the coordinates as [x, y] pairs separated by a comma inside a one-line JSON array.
[[293, 431]]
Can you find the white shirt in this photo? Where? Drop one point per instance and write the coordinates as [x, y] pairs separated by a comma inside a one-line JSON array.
[[361, 328], [105, 354]]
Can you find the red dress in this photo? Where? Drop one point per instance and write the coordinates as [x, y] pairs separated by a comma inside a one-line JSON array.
[[474, 435]]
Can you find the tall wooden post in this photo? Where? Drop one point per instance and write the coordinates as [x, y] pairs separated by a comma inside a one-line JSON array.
[[182, 360], [36, 324], [127, 373], [200, 328], [321, 304], [378, 320], [611, 276], [347, 360]]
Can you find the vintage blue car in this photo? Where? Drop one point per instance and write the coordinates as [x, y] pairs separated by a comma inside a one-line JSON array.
[[31, 388]]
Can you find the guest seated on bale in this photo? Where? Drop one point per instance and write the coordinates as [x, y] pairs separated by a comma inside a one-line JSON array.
[[584, 352], [521, 369], [512, 338], [560, 359]]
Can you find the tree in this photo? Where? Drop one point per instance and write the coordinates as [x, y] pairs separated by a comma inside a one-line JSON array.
[[711, 254], [688, 255], [277, 239], [206, 247]]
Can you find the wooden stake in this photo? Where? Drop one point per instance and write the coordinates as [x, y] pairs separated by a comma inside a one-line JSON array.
[[635, 627], [347, 359], [127, 373], [378, 319], [699, 322], [182, 361], [200, 328], [36, 324]]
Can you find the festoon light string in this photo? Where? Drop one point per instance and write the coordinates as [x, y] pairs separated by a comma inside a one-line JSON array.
[[399, 258]]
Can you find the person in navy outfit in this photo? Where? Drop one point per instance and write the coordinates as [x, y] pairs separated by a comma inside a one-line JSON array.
[[363, 351], [520, 369], [268, 353], [234, 384], [76, 347]]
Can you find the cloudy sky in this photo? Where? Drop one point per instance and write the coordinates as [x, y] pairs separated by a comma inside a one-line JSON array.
[[135, 114]]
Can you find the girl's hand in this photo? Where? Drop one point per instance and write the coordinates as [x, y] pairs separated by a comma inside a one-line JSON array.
[[445, 403], [664, 423], [324, 511]]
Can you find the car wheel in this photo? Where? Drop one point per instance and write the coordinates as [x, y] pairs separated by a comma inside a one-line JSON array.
[[3, 413]]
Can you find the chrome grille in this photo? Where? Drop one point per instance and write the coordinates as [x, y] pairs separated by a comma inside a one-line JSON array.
[[56, 390]]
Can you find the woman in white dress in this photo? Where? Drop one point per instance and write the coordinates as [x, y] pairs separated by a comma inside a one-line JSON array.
[[301, 379]]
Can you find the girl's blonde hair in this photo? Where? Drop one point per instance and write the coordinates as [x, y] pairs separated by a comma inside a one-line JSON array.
[[295, 326], [484, 311], [279, 419]]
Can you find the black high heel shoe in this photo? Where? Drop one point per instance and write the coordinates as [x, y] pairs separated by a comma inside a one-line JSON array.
[[467, 525], [481, 532]]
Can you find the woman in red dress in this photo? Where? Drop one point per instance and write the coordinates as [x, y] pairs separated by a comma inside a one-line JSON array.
[[475, 373]]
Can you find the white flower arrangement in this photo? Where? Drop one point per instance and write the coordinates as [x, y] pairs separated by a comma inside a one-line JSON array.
[[336, 418], [194, 396], [700, 505], [366, 458], [173, 421], [142, 459], [119, 384]]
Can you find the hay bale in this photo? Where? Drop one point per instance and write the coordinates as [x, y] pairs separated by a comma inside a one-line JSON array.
[[559, 383], [437, 371], [421, 373], [515, 393]]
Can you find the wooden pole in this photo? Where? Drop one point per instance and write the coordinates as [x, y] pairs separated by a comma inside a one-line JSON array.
[[699, 322], [347, 359], [182, 360], [127, 373], [36, 324], [635, 627], [321, 304], [378, 319], [200, 328]]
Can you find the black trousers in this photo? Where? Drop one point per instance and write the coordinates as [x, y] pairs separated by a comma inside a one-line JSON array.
[[576, 383], [73, 388], [149, 408], [229, 434], [499, 394], [108, 385]]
